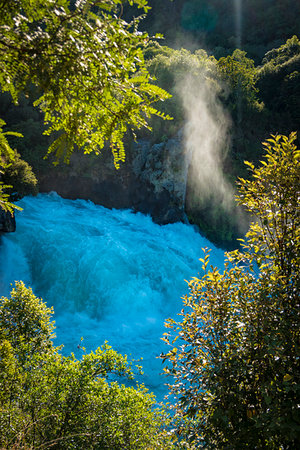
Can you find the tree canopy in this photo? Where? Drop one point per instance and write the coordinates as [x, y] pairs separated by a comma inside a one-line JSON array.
[[88, 67], [241, 74], [87, 63]]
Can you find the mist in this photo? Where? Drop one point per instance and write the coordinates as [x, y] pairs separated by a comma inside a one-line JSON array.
[[206, 138], [210, 195]]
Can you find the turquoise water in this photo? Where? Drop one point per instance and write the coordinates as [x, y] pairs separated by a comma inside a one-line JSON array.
[[111, 275]]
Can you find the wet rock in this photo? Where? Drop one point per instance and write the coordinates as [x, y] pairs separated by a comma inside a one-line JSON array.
[[7, 222]]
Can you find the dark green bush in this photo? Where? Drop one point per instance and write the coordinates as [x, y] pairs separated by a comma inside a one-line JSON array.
[[20, 176], [279, 83]]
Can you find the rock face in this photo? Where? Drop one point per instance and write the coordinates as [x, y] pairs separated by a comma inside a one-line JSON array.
[[162, 170], [7, 222], [152, 181]]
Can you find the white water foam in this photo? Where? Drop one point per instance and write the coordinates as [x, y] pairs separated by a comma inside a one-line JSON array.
[[111, 275]]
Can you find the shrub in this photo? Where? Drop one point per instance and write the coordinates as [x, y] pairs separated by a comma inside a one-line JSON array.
[[236, 367], [48, 400], [19, 175]]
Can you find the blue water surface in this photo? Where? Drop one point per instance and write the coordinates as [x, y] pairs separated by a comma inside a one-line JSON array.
[[111, 275]]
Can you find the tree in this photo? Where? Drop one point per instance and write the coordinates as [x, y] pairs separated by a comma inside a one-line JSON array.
[[88, 65], [278, 82], [239, 71], [47, 400], [170, 68], [236, 367]]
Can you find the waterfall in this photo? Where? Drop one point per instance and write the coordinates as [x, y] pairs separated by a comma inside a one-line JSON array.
[[111, 275]]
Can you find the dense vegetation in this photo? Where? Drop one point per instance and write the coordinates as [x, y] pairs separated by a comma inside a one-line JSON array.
[[88, 65], [235, 352], [84, 65], [51, 401], [260, 99]]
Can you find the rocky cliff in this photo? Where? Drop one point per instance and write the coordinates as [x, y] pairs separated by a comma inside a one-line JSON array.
[[152, 181]]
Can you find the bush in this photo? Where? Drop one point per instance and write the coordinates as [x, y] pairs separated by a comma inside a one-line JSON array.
[[279, 84], [47, 400], [19, 175], [236, 369]]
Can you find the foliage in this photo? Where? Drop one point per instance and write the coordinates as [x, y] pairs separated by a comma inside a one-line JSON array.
[[17, 178], [236, 363], [282, 54], [7, 155], [25, 322], [170, 69], [19, 175], [279, 82], [29, 121], [240, 72], [254, 114], [48, 400], [88, 64]]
